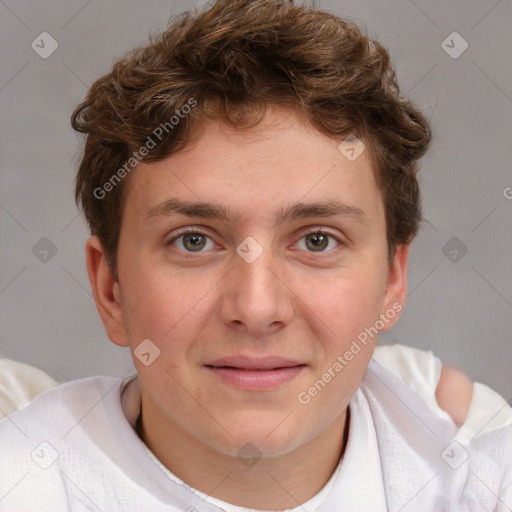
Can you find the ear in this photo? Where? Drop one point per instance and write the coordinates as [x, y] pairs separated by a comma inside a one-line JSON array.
[[106, 292], [395, 295]]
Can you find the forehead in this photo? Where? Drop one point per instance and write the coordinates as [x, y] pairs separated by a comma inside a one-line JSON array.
[[255, 172]]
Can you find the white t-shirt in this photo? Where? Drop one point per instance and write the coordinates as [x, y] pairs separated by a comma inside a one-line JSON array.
[[73, 448], [19, 383], [421, 370]]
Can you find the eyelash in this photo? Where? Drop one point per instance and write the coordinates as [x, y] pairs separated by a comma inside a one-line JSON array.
[[319, 231]]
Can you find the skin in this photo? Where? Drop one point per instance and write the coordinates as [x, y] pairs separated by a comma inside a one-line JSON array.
[[291, 301], [454, 393]]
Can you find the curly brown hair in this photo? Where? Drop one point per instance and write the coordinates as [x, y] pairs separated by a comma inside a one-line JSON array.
[[232, 60]]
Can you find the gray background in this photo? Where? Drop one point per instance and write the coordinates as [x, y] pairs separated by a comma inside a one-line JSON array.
[[460, 309]]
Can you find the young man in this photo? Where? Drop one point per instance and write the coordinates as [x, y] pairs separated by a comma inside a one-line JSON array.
[[250, 181]]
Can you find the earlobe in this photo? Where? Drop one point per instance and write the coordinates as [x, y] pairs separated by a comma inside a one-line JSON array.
[[395, 295], [106, 292]]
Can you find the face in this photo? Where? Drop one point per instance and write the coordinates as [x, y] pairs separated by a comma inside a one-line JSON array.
[[253, 295]]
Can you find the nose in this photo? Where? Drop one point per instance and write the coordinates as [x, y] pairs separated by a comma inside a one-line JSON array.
[[256, 299]]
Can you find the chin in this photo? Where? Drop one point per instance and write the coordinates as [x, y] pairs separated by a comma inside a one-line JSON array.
[[259, 438]]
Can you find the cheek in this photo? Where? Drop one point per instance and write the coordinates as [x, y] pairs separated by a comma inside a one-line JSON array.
[[160, 307], [348, 306], [160, 312]]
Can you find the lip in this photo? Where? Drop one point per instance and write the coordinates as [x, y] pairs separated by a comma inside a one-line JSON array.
[[256, 380], [254, 363], [255, 374]]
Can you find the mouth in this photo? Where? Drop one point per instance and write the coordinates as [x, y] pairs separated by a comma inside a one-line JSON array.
[[255, 374]]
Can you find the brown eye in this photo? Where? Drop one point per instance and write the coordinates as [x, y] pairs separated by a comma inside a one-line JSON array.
[[192, 241], [318, 241]]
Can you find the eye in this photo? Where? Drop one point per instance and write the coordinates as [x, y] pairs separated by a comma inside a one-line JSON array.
[[192, 241], [318, 241]]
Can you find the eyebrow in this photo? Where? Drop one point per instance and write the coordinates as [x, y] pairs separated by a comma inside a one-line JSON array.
[[300, 210]]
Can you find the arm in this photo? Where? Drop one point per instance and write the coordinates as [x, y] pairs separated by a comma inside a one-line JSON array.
[[454, 393]]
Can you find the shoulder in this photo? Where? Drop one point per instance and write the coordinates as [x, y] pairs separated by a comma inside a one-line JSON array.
[[417, 446], [59, 428], [56, 410], [20, 383], [489, 474]]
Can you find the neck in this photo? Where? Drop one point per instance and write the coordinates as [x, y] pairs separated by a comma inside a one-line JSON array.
[[289, 480]]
